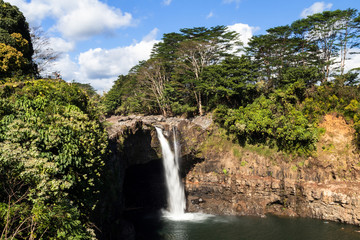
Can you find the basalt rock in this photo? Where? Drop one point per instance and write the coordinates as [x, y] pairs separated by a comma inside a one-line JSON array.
[[237, 194]]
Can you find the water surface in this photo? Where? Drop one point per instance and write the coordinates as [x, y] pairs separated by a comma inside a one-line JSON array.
[[159, 227]]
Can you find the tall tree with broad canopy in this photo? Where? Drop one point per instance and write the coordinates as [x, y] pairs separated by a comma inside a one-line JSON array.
[[152, 75], [335, 33], [194, 49], [349, 34]]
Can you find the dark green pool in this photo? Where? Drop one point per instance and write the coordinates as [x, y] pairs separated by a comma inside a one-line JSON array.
[[243, 228]]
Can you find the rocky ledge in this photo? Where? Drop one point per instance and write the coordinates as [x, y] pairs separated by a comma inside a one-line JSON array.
[[242, 194]]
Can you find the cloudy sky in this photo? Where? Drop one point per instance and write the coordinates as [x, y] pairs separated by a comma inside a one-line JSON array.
[[101, 39]]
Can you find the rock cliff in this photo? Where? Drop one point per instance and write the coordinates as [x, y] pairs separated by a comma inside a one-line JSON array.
[[222, 177]]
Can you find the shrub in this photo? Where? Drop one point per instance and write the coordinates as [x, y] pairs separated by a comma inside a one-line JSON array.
[[52, 149]]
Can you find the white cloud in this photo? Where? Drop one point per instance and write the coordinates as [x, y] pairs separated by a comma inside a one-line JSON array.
[[317, 7], [151, 36], [232, 1], [210, 15], [67, 68], [75, 20], [91, 19], [34, 11], [100, 67], [167, 2], [60, 45], [354, 61], [245, 31], [103, 63]]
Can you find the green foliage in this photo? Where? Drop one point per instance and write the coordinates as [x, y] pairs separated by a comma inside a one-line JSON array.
[[168, 83], [127, 96], [16, 48], [331, 98], [112, 98], [272, 120], [243, 163], [13, 21], [52, 149], [178, 109], [352, 109], [91, 92], [334, 98], [230, 83]]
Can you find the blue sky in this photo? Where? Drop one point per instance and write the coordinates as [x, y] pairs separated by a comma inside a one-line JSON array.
[[100, 39]]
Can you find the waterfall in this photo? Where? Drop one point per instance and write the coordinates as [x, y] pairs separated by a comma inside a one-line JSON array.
[[176, 195]]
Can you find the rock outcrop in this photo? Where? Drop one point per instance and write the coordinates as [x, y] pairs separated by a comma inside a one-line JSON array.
[[278, 190], [221, 177]]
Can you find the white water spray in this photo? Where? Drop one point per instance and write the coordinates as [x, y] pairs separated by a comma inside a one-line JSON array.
[[175, 189]]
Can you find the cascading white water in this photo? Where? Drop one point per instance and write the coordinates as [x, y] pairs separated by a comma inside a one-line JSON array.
[[175, 188], [176, 149]]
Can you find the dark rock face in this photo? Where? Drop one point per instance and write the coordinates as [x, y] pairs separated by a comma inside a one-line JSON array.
[[237, 194], [218, 181]]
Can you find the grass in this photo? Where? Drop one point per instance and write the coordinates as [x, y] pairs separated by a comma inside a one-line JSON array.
[[262, 150], [301, 164], [219, 142], [243, 163], [237, 152]]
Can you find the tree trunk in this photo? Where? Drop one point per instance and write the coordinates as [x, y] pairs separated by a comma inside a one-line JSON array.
[[344, 52], [201, 112]]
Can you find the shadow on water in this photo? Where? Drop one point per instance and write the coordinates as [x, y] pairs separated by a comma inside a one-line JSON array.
[[147, 223]]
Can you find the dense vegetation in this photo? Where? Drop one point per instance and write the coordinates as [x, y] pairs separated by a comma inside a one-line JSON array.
[[52, 145], [51, 156], [272, 91]]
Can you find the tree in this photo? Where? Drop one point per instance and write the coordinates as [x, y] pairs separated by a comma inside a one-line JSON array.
[[335, 33], [280, 49], [194, 56], [14, 33], [128, 95], [349, 33], [313, 42], [231, 83], [259, 49], [202, 47], [324, 27], [10, 60], [43, 55], [13, 21], [151, 74]]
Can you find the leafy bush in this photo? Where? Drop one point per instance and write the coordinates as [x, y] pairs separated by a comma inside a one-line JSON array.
[[52, 147], [272, 120]]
